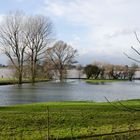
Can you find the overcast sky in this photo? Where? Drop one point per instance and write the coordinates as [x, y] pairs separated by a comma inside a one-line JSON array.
[[101, 30]]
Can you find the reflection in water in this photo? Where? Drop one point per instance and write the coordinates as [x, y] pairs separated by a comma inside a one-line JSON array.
[[72, 90]]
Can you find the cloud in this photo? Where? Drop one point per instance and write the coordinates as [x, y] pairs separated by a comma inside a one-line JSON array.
[[94, 11], [74, 11], [123, 32], [109, 24]]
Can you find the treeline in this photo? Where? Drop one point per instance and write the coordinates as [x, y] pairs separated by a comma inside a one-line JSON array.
[[109, 71], [29, 43]]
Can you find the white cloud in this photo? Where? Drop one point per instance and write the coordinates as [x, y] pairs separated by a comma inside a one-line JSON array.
[[109, 23], [95, 11], [76, 11]]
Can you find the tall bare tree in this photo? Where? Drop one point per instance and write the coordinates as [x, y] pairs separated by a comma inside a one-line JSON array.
[[39, 35], [13, 42], [61, 55]]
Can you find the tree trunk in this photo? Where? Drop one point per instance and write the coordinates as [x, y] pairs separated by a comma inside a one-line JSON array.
[[20, 77], [33, 69], [33, 76], [61, 75]]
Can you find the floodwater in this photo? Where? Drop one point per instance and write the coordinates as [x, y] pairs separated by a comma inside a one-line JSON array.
[[72, 90]]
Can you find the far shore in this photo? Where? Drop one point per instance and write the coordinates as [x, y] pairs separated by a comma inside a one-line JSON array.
[[11, 81]]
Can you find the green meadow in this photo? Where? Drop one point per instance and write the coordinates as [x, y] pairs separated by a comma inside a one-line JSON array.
[[71, 120]]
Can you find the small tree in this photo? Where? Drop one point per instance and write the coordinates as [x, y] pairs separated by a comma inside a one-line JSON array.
[[92, 71], [61, 55], [88, 71]]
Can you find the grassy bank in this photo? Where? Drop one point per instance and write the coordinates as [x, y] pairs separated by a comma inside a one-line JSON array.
[[9, 81], [94, 81], [70, 119]]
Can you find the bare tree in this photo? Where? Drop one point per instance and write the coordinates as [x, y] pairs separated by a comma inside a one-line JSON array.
[[12, 40], [61, 55], [131, 73], [39, 35]]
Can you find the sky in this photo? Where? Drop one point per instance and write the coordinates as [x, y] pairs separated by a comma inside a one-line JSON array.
[[101, 30]]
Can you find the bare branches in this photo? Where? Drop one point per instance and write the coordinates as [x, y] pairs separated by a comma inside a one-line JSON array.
[[25, 38], [39, 35], [132, 58], [122, 106], [61, 55], [11, 39], [135, 50], [137, 37]]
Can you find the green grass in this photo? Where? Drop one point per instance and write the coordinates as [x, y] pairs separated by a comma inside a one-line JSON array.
[[68, 119], [94, 81]]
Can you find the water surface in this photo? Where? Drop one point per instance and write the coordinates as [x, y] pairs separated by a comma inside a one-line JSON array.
[[73, 90]]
